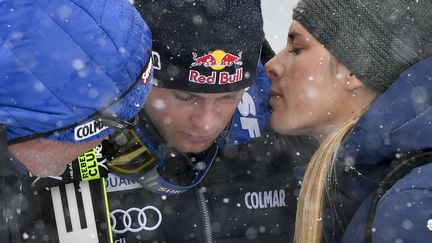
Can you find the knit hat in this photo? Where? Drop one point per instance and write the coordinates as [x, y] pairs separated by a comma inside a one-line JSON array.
[[65, 62], [204, 46], [376, 39]]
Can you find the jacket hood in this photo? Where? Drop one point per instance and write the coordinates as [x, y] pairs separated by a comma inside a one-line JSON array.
[[398, 122], [63, 61]]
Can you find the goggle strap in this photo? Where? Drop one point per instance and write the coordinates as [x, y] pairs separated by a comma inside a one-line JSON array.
[[152, 181], [113, 121]]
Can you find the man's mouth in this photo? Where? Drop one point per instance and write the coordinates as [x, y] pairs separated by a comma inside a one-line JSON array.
[[197, 138]]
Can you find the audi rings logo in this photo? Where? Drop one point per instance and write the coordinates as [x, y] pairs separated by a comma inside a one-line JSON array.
[[134, 220]]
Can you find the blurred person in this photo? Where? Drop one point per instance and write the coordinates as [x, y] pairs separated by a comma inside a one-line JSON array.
[[57, 76], [188, 173], [357, 76], [71, 72]]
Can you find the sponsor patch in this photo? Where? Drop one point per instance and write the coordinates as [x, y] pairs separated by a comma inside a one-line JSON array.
[[146, 74], [156, 60], [248, 120], [88, 129], [217, 61], [265, 199], [88, 166], [135, 219], [116, 183]]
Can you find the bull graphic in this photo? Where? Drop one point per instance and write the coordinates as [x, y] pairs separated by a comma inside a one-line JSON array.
[[207, 60], [229, 59]]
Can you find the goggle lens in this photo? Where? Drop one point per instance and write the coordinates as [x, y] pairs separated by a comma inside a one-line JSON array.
[[127, 154]]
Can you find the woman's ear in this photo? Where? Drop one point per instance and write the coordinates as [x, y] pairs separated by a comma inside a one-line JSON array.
[[359, 89], [350, 81], [353, 82]]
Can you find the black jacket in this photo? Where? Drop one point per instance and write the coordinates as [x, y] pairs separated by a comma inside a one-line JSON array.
[[249, 195]]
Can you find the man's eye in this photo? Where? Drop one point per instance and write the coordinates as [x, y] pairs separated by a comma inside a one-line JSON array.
[[184, 98], [228, 99]]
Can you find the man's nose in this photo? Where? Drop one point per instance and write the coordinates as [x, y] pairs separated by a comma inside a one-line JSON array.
[[205, 116]]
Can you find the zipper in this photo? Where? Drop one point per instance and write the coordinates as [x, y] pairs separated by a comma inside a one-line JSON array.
[[205, 216]]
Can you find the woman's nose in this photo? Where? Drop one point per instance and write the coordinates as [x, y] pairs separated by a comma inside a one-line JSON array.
[[274, 68]]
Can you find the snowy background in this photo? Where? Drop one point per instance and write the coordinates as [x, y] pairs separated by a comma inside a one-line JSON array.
[[277, 16]]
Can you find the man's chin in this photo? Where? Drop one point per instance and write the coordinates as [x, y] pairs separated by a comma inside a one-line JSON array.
[[193, 148]]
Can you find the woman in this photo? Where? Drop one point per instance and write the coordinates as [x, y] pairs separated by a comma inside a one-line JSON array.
[[357, 75]]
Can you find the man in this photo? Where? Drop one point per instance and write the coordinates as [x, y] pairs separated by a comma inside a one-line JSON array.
[[202, 71], [199, 184], [70, 70]]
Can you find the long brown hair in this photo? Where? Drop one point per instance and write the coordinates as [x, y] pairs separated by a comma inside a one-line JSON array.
[[309, 218]]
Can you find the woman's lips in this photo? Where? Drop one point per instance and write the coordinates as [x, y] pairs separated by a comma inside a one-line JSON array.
[[275, 95], [275, 99]]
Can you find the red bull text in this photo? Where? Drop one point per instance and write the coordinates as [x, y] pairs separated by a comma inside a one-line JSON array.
[[222, 78], [216, 60]]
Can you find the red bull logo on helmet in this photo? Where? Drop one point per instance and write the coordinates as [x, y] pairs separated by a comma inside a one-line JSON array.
[[216, 60]]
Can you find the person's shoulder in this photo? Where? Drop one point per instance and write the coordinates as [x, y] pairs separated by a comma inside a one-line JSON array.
[[404, 216], [405, 209], [417, 179]]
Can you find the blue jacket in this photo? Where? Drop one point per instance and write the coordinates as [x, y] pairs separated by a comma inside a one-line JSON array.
[[253, 112], [62, 61], [398, 122]]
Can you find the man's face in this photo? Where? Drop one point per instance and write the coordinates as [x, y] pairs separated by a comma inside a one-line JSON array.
[[190, 122], [43, 157]]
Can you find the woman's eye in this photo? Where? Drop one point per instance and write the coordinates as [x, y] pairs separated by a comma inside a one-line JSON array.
[[294, 50]]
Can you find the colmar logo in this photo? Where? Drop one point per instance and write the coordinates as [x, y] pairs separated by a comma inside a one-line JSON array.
[[265, 199], [88, 129], [216, 60]]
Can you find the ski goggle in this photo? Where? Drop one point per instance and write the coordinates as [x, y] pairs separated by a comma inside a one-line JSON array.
[[126, 153], [136, 151]]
